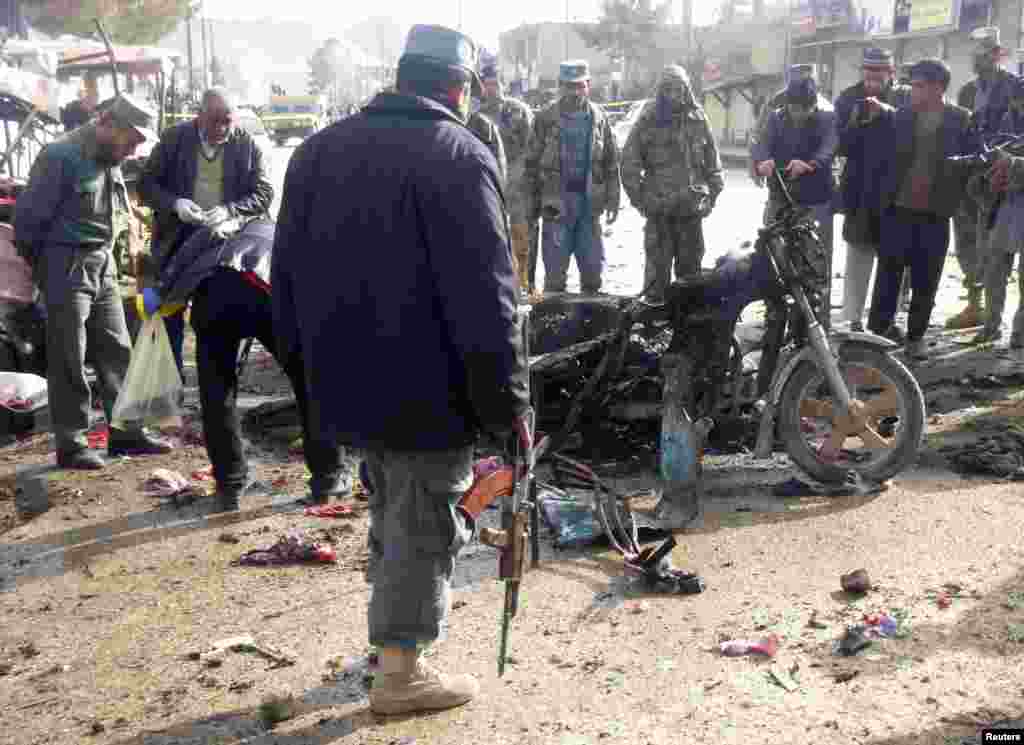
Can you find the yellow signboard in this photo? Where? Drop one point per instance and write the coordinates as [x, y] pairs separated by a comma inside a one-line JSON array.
[[926, 14]]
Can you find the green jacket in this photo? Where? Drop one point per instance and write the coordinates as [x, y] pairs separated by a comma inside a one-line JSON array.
[[660, 164], [70, 199], [542, 179]]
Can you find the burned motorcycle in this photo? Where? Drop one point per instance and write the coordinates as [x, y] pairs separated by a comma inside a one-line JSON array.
[[837, 402]]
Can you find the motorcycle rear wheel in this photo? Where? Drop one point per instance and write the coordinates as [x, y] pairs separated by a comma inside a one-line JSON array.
[[892, 401]]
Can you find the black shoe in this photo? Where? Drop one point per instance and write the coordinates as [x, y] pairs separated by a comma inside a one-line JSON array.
[[136, 443], [857, 327], [81, 460], [322, 488]]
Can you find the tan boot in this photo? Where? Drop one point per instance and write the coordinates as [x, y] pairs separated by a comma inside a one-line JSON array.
[[971, 316], [404, 683]]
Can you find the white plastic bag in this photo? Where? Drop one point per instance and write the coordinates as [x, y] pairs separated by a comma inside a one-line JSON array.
[[152, 386]]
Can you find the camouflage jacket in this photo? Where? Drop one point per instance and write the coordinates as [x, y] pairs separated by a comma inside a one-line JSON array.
[[514, 120], [542, 179], [488, 134], [660, 164]]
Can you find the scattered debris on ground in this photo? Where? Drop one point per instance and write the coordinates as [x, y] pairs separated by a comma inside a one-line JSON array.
[[293, 548]]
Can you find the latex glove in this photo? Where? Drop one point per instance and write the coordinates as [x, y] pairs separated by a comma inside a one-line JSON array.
[[216, 216], [151, 300], [611, 216], [765, 168], [188, 211], [225, 229]]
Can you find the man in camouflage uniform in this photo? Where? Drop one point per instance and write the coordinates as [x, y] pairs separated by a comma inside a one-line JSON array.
[[1000, 193], [514, 120], [672, 174], [65, 223], [487, 131], [988, 97], [572, 177]]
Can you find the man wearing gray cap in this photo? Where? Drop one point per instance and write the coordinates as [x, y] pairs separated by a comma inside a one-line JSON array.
[[515, 121], [65, 223], [672, 174], [572, 177], [392, 236]]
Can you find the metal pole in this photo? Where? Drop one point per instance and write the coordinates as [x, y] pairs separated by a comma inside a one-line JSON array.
[[566, 29], [206, 59], [191, 64]]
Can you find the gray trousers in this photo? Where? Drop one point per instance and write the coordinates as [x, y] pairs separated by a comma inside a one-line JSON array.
[[85, 316], [998, 268], [415, 535], [860, 264]]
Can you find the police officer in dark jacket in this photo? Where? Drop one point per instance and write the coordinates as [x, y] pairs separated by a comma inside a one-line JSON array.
[[227, 277], [393, 277]]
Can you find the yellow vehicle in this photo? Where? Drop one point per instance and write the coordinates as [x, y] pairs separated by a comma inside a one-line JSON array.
[[293, 116]]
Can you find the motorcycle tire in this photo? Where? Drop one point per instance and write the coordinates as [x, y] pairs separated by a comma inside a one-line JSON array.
[[910, 433]]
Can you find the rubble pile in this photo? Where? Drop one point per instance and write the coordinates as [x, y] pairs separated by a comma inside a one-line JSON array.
[[1000, 453]]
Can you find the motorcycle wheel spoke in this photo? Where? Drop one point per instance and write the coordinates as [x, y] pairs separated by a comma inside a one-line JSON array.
[[887, 403]]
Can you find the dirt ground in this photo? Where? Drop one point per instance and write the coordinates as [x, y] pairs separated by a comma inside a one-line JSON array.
[[112, 594]]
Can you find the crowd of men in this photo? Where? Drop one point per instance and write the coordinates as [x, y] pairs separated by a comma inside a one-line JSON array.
[[409, 231]]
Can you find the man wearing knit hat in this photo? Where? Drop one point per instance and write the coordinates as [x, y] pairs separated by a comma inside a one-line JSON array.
[[800, 139], [988, 97], [672, 173], [514, 121], [861, 224]]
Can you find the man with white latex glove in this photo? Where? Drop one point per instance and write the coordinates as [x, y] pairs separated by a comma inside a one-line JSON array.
[[206, 173], [188, 211]]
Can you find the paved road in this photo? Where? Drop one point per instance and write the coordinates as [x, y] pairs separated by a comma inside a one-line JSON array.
[[735, 219]]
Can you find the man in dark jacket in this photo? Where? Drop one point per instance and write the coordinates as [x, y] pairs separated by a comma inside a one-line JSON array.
[[988, 97], [392, 241], [918, 192], [861, 224], [228, 281], [202, 173]]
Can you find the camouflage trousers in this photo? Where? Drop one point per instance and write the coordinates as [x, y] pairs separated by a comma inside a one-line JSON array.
[[671, 239], [971, 250]]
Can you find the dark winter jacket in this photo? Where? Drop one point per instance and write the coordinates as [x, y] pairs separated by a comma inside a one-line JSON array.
[[393, 278], [853, 181], [814, 142], [203, 254], [170, 174], [889, 148]]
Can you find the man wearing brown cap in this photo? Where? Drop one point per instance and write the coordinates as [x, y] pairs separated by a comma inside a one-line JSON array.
[[988, 98], [65, 223]]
